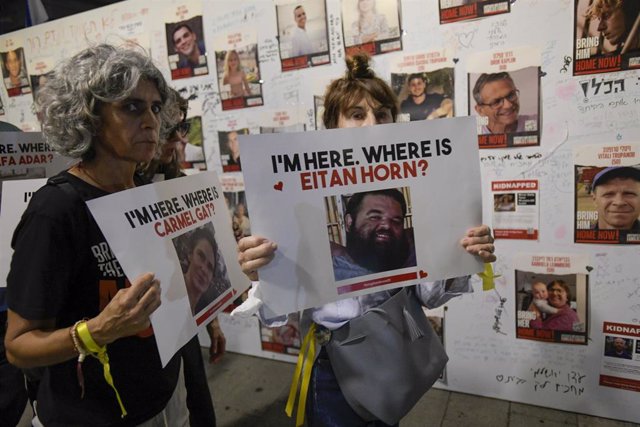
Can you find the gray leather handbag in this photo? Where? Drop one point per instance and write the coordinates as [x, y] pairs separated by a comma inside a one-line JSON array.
[[386, 359]]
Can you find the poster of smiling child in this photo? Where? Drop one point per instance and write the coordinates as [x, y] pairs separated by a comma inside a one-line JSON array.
[[551, 297]]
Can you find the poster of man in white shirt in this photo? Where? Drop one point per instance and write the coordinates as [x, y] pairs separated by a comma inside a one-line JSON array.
[[303, 34]]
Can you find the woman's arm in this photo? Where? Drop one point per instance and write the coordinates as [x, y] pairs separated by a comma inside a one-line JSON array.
[[33, 343], [218, 341]]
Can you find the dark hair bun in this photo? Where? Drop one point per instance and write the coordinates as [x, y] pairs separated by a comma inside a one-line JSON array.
[[358, 67]]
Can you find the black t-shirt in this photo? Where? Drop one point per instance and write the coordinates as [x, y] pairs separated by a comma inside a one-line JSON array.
[[420, 111], [63, 269]]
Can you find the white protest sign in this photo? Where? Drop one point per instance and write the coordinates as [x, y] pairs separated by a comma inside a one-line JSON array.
[[15, 198], [298, 188], [25, 155], [181, 231]]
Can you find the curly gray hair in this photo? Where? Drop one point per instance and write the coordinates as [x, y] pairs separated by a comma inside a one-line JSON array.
[[69, 101]]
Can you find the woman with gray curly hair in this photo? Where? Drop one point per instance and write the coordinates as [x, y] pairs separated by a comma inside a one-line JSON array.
[[67, 294]]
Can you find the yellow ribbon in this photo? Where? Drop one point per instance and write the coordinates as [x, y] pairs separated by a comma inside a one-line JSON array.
[[488, 277], [303, 369], [101, 354]]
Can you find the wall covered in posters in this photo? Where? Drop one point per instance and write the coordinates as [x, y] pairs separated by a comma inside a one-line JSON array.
[[555, 88]]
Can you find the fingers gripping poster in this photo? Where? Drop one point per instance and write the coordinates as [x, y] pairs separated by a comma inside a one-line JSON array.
[[179, 230], [355, 211]]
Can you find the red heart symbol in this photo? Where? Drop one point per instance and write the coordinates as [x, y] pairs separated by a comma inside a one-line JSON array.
[[278, 186], [423, 274]]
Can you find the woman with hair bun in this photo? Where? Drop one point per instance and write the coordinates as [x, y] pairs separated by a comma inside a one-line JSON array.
[[358, 99]]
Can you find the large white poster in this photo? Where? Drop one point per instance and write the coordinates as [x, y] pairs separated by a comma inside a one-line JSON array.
[[15, 198], [181, 231], [355, 211], [25, 155]]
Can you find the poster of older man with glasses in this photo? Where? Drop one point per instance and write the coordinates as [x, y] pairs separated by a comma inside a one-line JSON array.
[[504, 94]]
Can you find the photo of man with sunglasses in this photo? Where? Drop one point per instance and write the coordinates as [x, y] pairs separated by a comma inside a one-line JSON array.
[[498, 104]]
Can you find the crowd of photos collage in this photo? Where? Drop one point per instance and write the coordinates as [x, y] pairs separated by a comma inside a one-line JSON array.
[[502, 90]]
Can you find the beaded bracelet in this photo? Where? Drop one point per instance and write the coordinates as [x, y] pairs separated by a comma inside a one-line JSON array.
[[82, 353]]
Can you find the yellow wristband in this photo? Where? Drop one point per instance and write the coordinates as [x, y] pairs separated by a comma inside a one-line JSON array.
[[101, 354], [87, 339]]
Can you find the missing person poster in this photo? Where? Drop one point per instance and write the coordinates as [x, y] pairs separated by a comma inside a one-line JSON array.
[[516, 209], [39, 71], [15, 198], [551, 295], [179, 230], [230, 149], [24, 158], [233, 190], [424, 84], [355, 211], [25, 155], [191, 150], [186, 49], [371, 26], [283, 339], [463, 10], [303, 33], [504, 94], [14, 72], [606, 36], [607, 193], [620, 356], [283, 120], [239, 77]]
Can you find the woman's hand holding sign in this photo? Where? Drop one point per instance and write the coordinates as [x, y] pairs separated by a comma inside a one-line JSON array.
[[255, 252], [128, 312], [479, 241]]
